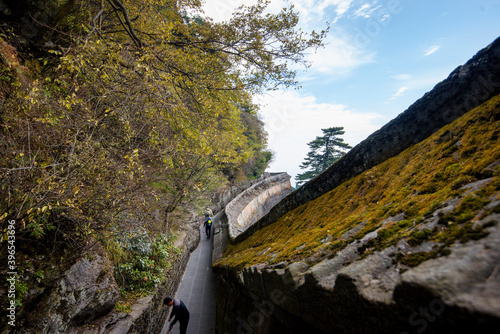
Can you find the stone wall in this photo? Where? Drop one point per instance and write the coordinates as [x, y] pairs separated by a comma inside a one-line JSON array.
[[251, 204], [465, 88], [348, 294], [225, 195], [154, 315], [255, 202]]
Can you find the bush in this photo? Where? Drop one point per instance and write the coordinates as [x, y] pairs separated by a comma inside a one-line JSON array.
[[142, 264]]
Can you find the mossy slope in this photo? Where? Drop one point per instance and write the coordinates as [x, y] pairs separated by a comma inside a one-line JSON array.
[[395, 195]]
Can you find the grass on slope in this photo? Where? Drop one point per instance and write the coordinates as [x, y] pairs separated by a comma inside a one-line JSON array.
[[409, 186]]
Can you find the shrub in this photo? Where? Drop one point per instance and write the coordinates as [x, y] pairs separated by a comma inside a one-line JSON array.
[[142, 264]]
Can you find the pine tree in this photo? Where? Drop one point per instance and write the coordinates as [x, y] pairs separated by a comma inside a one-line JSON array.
[[324, 151]]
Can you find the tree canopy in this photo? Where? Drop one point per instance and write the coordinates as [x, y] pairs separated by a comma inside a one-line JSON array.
[[115, 110], [324, 151]]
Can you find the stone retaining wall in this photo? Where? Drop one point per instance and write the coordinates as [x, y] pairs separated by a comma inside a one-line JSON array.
[[247, 208], [255, 202]]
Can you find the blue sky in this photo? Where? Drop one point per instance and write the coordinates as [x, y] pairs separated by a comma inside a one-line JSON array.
[[380, 57]]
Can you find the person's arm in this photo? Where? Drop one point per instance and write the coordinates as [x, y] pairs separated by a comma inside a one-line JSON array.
[[173, 314]]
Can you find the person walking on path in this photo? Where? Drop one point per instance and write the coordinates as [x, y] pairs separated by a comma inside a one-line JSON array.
[[179, 313], [208, 226]]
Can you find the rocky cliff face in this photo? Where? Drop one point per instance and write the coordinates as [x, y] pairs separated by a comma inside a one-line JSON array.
[[71, 295], [400, 236], [79, 297]]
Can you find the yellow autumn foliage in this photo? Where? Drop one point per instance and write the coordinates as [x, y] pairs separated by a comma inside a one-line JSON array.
[[137, 109]]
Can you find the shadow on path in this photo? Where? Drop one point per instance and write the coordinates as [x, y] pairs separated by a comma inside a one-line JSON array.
[[197, 290]]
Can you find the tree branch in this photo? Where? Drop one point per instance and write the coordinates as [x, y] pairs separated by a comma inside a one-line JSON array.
[[127, 25]]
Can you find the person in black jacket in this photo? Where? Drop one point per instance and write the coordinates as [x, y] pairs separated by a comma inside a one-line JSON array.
[[179, 313], [208, 226]]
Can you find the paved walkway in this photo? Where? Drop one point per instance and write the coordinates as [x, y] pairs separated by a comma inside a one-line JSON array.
[[197, 290]]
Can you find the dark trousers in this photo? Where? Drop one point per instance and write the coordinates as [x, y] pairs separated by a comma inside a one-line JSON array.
[[184, 324], [208, 230]]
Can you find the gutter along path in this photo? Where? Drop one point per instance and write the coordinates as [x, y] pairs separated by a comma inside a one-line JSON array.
[[197, 290]]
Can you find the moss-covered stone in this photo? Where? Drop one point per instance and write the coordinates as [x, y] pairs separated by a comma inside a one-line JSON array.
[[454, 157]]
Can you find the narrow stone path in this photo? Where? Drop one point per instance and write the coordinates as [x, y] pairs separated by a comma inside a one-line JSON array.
[[197, 290]]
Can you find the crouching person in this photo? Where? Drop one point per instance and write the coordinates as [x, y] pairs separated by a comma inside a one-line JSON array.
[[179, 313]]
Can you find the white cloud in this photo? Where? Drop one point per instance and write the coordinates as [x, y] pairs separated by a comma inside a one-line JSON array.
[[310, 11], [292, 120], [342, 6], [402, 76], [319, 8], [362, 10], [339, 57], [221, 10], [399, 93], [413, 86], [432, 49], [385, 18], [366, 11], [342, 52]]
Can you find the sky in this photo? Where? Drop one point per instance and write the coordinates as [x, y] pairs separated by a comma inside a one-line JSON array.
[[380, 56]]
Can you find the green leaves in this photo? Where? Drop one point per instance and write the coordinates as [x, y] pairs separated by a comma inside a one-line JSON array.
[[142, 264]]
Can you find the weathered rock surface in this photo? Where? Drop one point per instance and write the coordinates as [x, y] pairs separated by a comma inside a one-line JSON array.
[[148, 314], [456, 293], [79, 298], [84, 292]]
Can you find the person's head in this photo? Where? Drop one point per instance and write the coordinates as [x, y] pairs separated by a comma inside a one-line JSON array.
[[169, 301]]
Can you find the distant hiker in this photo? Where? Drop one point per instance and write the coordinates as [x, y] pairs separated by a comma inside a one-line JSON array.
[[208, 226], [179, 313]]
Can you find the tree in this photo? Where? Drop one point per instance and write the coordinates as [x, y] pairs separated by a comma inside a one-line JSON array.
[[324, 151], [131, 107]]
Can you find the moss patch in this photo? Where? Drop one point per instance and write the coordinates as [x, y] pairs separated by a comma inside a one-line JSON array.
[[414, 259]]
